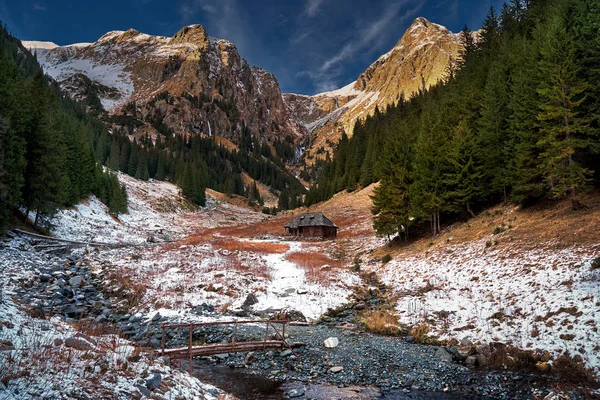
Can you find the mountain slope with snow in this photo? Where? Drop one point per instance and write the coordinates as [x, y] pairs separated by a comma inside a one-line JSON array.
[[420, 59], [189, 81]]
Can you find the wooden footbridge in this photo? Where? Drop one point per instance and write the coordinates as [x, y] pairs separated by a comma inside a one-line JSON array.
[[234, 346]]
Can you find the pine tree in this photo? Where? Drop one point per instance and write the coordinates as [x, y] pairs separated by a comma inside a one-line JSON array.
[[563, 130], [428, 191]]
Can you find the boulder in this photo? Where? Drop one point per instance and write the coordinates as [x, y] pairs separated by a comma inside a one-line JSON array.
[[336, 369], [482, 360], [471, 361], [466, 348], [6, 345], [443, 355], [331, 343], [153, 382], [249, 302], [78, 344], [286, 353], [294, 315]]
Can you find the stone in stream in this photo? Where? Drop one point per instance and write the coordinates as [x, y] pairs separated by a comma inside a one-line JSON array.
[[76, 281], [286, 353], [443, 355], [249, 359], [331, 343], [336, 369], [295, 393]]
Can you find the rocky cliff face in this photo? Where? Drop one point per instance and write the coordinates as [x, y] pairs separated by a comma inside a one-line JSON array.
[[195, 84], [419, 60]]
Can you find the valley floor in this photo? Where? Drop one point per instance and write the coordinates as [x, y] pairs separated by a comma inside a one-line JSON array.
[[520, 277]]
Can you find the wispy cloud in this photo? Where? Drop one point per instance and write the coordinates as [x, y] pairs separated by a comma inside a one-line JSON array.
[[371, 34], [39, 7], [209, 9], [298, 38], [312, 7]]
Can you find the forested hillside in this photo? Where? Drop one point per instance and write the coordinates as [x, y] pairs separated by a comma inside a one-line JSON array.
[[52, 150], [517, 121], [46, 156]]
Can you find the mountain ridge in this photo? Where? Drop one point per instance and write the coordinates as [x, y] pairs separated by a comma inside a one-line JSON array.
[[420, 59], [209, 82]]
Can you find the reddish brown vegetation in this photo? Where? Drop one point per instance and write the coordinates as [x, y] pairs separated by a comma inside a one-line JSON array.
[[231, 244], [316, 265]]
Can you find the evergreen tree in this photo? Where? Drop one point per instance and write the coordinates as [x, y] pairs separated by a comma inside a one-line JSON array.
[[564, 131]]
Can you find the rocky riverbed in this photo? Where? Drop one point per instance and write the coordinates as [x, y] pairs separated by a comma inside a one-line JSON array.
[[360, 365]]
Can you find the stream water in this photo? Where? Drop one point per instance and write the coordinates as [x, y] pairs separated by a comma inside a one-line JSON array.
[[247, 386]]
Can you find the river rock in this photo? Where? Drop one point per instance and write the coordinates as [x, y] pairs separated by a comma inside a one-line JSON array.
[[250, 357], [78, 344], [331, 343], [336, 369], [153, 382], [466, 348], [471, 361], [295, 393], [443, 355], [482, 360], [76, 281], [286, 353], [6, 345], [249, 302]]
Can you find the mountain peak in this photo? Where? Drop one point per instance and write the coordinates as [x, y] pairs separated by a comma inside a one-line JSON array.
[[195, 34], [421, 21], [38, 45]]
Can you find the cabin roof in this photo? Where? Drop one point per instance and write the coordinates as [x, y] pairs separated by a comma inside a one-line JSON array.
[[312, 219]]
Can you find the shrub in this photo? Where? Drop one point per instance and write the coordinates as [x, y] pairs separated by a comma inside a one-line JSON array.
[[386, 259], [596, 263], [381, 321], [498, 230]]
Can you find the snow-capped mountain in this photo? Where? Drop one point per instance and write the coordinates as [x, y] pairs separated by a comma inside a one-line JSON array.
[[192, 82], [420, 59]]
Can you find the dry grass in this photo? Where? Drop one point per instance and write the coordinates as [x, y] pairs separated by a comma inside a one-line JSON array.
[[126, 290], [318, 266], [231, 244], [420, 333], [381, 321]]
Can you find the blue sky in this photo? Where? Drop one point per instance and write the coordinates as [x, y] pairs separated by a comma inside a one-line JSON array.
[[310, 45]]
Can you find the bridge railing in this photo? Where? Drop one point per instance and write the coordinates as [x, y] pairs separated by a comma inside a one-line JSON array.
[[231, 347]]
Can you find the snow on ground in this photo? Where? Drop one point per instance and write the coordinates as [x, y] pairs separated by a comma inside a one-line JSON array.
[[347, 90], [33, 45], [289, 288], [178, 277], [543, 297], [156, 209], [194, 267], [110, 75], [50, 358]]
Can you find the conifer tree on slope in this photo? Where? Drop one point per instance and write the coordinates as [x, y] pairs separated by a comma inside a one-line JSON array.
[[563, 130]]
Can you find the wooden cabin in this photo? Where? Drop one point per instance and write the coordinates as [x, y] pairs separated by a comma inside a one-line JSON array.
[[314, 225]]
